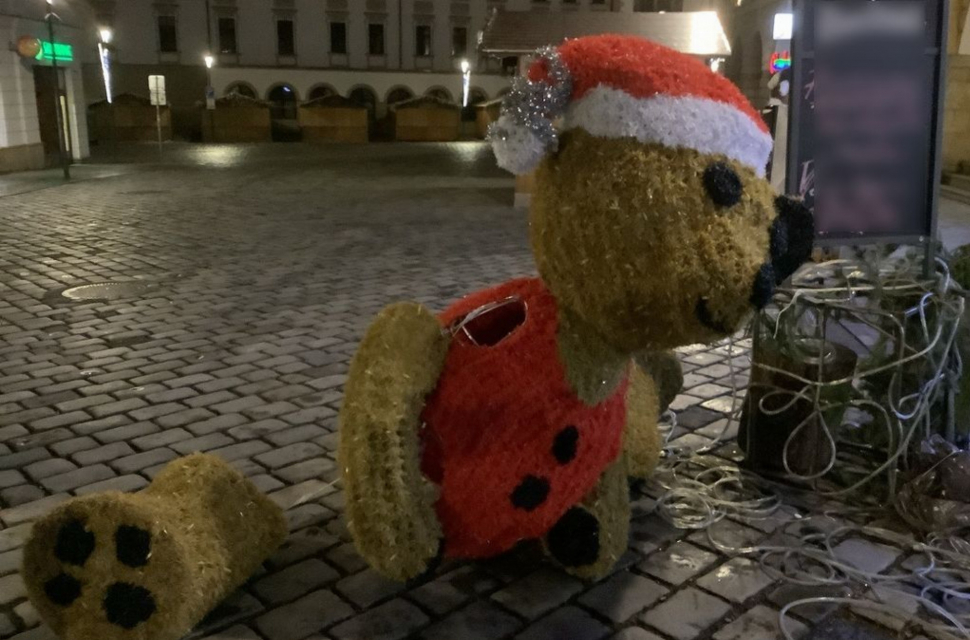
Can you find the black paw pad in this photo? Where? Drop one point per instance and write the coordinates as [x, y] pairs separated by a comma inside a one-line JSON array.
[[564, 446], [62, 589], [74, 543], [133, 546], [530, 493], [574, 541], [128, 605]]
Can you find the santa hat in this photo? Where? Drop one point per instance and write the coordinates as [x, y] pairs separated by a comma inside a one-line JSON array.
[[626, 87]]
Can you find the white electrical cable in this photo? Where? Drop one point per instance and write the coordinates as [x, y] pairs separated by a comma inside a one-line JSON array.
[[700, 490]]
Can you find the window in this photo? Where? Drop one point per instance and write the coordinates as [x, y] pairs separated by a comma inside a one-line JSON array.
[[375, 39], [422, 40], [459, 41], [227, 35], [285, 45], [168, 41], [338, 37]]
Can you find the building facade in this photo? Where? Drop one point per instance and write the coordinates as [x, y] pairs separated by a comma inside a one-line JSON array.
[[288, 51], [29, 90]]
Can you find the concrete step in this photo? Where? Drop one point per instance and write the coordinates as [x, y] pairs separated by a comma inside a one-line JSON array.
[[955, 193]]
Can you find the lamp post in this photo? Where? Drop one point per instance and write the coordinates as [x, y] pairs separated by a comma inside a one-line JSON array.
[[466, 72], [61, 137], [104, 54], [210, 94]]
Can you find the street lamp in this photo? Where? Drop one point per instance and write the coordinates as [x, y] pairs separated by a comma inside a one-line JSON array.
[[210, 93], [105, 55], [466, 72], [62, 138]]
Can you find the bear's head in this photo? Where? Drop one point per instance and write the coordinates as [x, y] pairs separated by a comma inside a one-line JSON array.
[[651, 218]]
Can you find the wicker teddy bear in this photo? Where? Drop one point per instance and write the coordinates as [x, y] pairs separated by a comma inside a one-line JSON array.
[[521, 411]]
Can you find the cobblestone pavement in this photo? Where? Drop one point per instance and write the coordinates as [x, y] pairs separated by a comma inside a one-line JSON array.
[[252, 272]]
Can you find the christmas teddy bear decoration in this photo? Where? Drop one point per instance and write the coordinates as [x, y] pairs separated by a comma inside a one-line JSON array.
[[521, 411]]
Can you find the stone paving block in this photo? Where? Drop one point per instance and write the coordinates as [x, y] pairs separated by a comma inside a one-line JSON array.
[[322, 468], [42, 632], [649, 533], [21, 494], [124, 484], [307, 515], [568, 622], [119, 406], [26, 416], [538, 593], [239, 606], [302, 492], [290, 435], [60, 420], [77, 478], [67, 447], [184, 417], [27, 614], [237, 405], [303, 617], [50, 467], [310, 541], [759, 623], [161, 439], [93, 427], [678, 563], [622, 596], [126, 432], [237, 632], [257, 429], [866, 555], [202, 443], [788, 593], [289, 454], [266, 483], [294, 581], [686, 614], [11, 478], [453, 589], [393, 620], [216, 424], [310, 415], [727, 536], [12, 589], [139, 461], [241, 450], [12, 431], [478, 621], [736, 580], [368, 587], [102, 454]]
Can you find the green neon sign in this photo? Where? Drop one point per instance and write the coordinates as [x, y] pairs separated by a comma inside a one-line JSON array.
[[61, 50]]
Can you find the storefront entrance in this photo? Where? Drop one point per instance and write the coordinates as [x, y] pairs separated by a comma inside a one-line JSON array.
[[45, 89]]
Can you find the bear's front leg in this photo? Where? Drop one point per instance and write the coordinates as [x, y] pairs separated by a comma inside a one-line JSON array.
[[390, 504], [590, 537]]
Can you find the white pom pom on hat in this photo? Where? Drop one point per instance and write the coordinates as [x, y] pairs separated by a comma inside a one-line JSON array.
[[626, 87]]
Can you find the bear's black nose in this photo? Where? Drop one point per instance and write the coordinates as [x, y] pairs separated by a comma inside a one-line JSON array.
[[792, 236]]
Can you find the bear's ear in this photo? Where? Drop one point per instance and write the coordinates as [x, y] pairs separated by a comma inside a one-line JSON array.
[[524, 133]]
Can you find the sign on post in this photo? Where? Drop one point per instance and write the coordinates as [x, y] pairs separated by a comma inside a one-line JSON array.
[[156, 89], [866, 111]]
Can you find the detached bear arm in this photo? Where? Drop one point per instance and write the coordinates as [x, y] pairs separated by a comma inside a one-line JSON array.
[[390, 504]]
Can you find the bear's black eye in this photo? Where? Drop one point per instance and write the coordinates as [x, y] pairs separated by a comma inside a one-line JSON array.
[[723, 184]]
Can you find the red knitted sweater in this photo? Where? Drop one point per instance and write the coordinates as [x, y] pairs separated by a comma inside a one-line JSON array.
[[506, 439]]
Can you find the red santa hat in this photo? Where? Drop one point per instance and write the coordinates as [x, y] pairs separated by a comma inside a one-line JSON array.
[[626, 87]]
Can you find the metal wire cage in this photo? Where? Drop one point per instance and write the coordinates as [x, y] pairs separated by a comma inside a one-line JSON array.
[[853, 365]]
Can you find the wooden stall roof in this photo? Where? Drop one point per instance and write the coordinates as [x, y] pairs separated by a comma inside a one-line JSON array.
[[698, 33]]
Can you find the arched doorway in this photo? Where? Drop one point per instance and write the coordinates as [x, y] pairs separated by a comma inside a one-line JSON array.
[[365, 97], [241, 89], [321, 91], [439, 93], [283, 99], [399, 94], [476, 95]]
